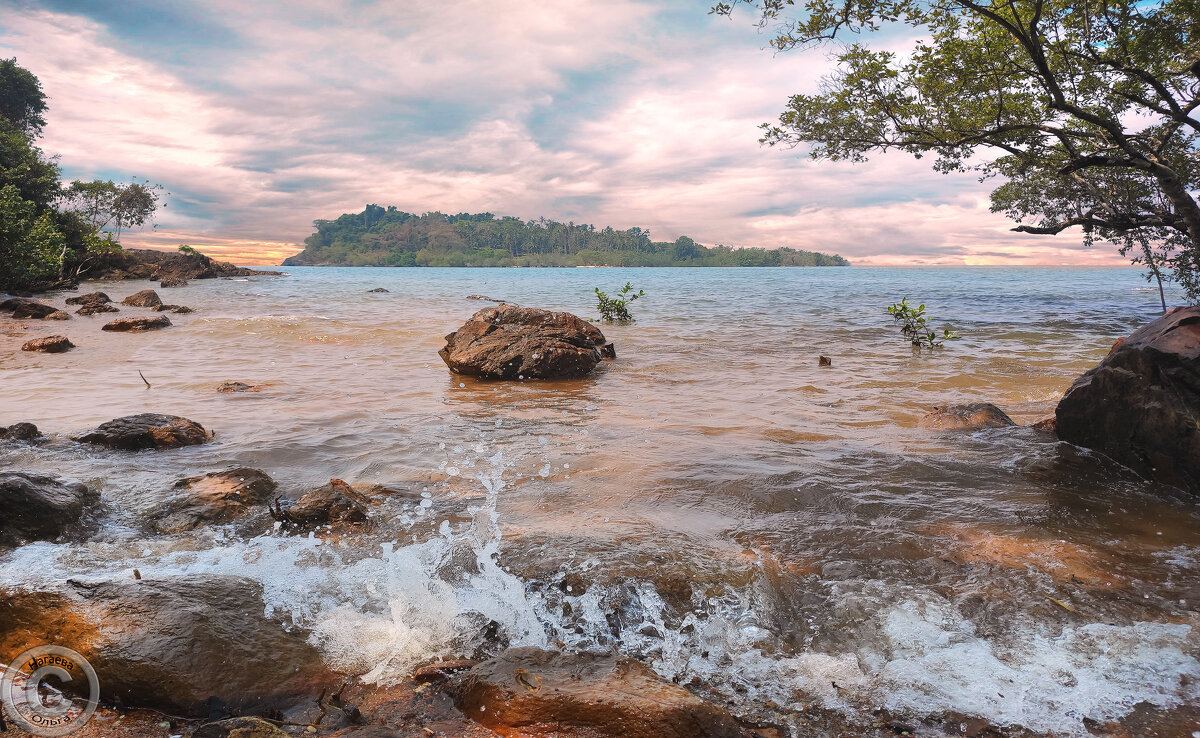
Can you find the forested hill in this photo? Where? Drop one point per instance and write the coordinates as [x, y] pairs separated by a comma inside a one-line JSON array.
[[389, 237]]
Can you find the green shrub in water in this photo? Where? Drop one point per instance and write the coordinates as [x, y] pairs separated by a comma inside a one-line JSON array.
[[615, 309], [915, 326]]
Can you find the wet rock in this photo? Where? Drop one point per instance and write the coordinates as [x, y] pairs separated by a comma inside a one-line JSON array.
[[49, 345], [20, 432], [608, 351], [240, 727], [212, 499], [179, 644], [173, 308], [183, 309], [146, 430], [91, 298], [1046, 424], [1140, 404], [21, 307], [532, 692], [173, 282], [379, 289], [96, 307], [974, 416], [58, 315], [145, 299], [508, 342], [38, 507], [440, 670], [137, 325], [824, 361], [229, 387], [337, 503], [164, 265]]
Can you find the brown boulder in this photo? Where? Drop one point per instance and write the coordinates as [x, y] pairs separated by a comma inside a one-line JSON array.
[[146, 430], [92, 308], [177, 644], [173, 282], [144, 299], [20, 432], [1140, 404], [38, 507], [91, 298], [974, 416], [49, 345], [137, 325], [509, 342], [212, 499], [21, 307], [58, 315], [336, 503], [173, 308], [532, 692]]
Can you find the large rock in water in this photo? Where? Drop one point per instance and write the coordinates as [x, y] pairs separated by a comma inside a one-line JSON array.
[[337, 503], [171, 644], [507, 342], [49, 345], [38, 507], [973, 416], [146, 430], [531, 692], [1141, 404], [145, 299], [137, 325], [21, 307], [212, 499]]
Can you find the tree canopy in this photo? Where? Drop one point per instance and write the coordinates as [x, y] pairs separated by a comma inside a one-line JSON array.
[[1085, 112], [389, 237]]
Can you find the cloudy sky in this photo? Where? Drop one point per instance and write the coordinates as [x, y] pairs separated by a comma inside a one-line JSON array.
[[259, 117]]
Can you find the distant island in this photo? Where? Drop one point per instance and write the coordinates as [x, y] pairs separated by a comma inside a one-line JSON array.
[[381, 236]]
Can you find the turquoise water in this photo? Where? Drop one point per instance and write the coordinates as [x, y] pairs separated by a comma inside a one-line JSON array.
[[713, 502]]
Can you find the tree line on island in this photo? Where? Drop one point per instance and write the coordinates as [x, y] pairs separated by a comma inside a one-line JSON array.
[[380, 236]]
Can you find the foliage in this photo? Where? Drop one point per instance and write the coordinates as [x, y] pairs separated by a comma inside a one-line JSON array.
[[915, 326], [30, 244], [110, 208], [1089, 108], [615, 309], [22, 102], [391, 237], [185, 249]]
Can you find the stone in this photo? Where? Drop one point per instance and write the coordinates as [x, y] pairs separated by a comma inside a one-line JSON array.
[[824, 361], [510, 342], [21, 307], [179, 644], [532, 692], [49, 345], [1140, 405], [96, 307], [240, 727], [146, 430], [58, 315], [145, 299], [1046, 424], [337, 503], [91, 298], [212, 499], [231, 386], [183, 309], [974, 416], [173, 282], [379, 289], [137, 325], [20, 432], [39, 507], [440, 670]]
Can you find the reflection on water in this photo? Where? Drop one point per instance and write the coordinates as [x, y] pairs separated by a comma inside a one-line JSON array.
[[713, 501]]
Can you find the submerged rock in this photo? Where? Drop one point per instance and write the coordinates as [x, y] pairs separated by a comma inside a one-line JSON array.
[[22, 307], [38, 507], [20, 432], [173, 282], [974, 416], [137, 325], [379, 289], [177, 644], [91, 298], [212, 499], [96, 307], [1140, 405], [231, 386], [146, 430], [49, 345], [509, 342], [173, 308], [58, 315], [337, 503], [532, 692], [145, 298]]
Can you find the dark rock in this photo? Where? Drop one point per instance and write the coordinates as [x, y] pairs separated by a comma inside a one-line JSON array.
[[1046, 424], [240, 727], [20, 432], [379, 289], [212, 499], [974, 416], [824, 361], [144, 299], [440, 670], [49, 345], [21, 307], [91, 298], [58, 315], [229, 387], [146, 430], [179, 644], [38, 507], [137, 325], [531, 692], [1140, 404], [173, 282], [96, 307], [608, 351], [336, 503], [164, 265], [182, 309], [509, 342], [485, 298]]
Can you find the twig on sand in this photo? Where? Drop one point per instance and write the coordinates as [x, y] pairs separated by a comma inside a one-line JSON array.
[[143, 376]]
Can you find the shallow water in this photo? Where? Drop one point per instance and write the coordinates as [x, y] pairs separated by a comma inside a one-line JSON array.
[[713, 501]]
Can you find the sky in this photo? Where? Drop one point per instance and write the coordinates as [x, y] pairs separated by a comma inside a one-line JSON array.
[[260, 117]]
